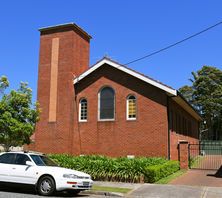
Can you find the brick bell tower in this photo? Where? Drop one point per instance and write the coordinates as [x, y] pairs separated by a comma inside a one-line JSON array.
[[64, 54]]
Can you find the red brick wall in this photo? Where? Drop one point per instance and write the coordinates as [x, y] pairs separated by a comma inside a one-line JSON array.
[[183, 153], [56, 137], [146, 136], [177, 133]]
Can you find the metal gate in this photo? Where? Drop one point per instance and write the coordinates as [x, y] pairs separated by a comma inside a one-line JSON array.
[[205, 155]]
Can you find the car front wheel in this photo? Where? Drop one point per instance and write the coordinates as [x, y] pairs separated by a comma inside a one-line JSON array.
[[46, 186]]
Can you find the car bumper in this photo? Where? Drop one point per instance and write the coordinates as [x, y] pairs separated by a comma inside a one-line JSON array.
[[74, 184]]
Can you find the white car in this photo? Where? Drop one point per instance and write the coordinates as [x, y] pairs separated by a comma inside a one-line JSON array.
[[38, 170]]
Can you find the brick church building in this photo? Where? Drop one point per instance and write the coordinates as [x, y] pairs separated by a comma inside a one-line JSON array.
[[107, 108]]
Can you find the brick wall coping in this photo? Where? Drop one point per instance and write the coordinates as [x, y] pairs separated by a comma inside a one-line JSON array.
[[65, 27]]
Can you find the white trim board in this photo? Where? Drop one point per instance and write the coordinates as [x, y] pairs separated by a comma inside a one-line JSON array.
[[128, 71]]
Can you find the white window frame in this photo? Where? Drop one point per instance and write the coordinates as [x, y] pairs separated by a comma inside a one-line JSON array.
[[127, 107], [80, 110], [110, 119]]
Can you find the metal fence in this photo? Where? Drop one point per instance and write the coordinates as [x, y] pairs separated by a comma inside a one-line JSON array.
[[205, 155]]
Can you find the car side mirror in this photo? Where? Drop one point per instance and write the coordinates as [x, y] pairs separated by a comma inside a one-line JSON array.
[[29, 163]]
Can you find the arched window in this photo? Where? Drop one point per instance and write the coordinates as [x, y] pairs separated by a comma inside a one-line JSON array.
[[131, 107], [106, 104], [83, 110]]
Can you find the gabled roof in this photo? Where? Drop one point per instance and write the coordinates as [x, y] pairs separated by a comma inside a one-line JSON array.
[[131, 72], [176, 96]]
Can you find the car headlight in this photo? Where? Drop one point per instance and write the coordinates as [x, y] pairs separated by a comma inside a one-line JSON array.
[[70, 176]]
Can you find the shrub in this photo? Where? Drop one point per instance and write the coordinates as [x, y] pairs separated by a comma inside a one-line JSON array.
[[110, 169], [157, 172]]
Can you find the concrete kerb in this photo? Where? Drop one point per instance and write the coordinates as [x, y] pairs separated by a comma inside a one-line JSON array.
[[118, 184], [133, 186], [103, 193]]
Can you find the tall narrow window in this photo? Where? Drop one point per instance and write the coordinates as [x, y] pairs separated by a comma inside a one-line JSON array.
[[106, 104], [83, 110], [131, 107]]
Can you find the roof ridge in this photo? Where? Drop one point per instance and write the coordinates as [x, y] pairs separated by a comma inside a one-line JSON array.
[[116, 62]]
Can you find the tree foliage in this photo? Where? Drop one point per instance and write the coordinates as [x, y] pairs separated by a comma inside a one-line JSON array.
[[18, 115], [205, 94], [4, 83]]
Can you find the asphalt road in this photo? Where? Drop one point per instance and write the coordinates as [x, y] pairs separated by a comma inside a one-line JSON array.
[[5, 194], [145, 191], [29, 192]]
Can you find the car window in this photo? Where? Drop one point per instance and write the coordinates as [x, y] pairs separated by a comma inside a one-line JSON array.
[[41, 160], [48, 162], [21, 159], [7, 158]]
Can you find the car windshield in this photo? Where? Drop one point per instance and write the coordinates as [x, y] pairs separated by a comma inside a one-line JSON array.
[[42, 160]]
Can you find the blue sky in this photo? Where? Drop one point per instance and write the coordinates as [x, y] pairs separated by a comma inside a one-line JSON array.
[[122, 29]]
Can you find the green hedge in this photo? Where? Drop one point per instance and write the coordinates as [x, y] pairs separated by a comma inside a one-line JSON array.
[[112, 169], [157, 172]]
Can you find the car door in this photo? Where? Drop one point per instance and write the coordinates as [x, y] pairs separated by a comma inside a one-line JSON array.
[[6, 164], [22, 173]]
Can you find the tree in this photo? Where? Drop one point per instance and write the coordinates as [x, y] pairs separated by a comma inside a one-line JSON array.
[[4, 83], [205, 95], [187, 92], [18, 115]]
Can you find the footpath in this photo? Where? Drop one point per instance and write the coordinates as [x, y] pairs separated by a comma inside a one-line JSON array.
[[158, 190]]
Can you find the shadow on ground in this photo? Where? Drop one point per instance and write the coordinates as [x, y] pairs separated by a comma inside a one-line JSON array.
[[218, 174], [26, 189]]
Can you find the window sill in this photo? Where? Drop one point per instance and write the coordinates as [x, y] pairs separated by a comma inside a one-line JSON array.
[[134, 119], [83, 121], [106, 120]]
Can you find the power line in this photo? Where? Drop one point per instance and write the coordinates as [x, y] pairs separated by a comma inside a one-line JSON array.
[[174, 44]]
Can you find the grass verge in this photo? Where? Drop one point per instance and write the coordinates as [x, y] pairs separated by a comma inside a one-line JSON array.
[[169, 178], [111, 189]]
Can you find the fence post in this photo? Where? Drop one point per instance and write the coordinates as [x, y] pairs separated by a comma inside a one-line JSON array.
[[183, 154]]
